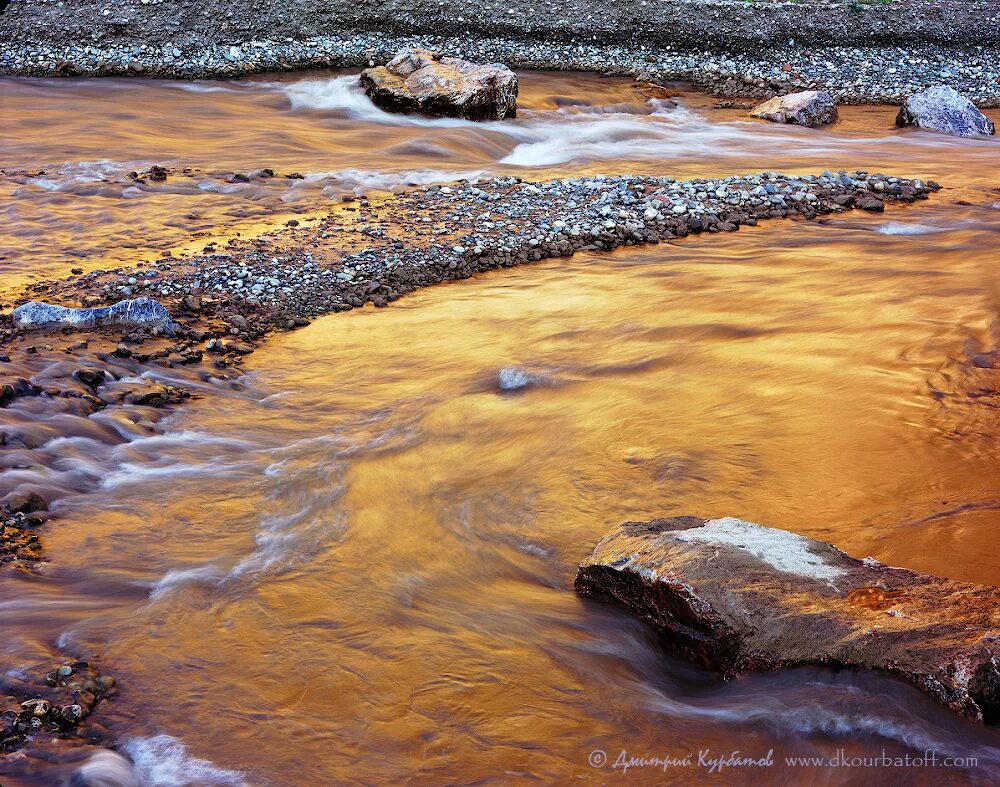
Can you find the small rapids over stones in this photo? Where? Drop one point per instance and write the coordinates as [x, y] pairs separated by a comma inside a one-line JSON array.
[[353, 558]]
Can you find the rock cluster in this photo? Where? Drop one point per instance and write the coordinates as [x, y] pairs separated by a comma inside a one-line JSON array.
[[51, 390], [53, 708], [417, 80], [808, 108], [19, 543], [737, 597], [944, 109]]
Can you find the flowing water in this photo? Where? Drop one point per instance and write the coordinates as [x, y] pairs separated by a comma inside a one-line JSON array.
[[357, 565]]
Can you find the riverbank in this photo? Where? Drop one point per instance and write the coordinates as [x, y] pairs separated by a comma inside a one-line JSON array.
[[854, 75], [861, 52]]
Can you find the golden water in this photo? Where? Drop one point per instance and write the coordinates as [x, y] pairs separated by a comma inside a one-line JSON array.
[[359, 567]]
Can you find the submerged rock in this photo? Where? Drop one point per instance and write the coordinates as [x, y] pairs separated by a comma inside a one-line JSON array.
[[139, 311], [808, 108], [944, 109], [737, 597], [516, 378], [417, 80]]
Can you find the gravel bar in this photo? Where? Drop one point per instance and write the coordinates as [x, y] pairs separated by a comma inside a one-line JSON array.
[[374, 252]]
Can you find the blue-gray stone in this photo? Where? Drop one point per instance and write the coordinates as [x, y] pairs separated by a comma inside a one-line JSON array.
[[146, 312], [944, 109]]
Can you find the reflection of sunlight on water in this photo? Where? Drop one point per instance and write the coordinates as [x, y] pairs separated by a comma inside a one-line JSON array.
[[373, 543], [325, 128]]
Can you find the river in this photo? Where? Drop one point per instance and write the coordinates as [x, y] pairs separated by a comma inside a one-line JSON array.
[[356, 565]]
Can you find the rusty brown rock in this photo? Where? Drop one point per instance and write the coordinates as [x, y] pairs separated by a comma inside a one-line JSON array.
[[737, 597]]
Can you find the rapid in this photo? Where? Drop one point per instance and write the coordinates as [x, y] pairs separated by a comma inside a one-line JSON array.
[[354, 563]]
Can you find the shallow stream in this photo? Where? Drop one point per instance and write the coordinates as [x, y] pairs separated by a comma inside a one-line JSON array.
[[357, 566]]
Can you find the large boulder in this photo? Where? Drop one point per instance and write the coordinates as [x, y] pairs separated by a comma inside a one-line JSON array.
[[145, 312], [944, 109], [417, 80], [736, 597], [808, 108]]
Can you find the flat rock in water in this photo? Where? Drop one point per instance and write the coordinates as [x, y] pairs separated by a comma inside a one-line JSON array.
[[147, 312], [417, 80], [808, 108], [737, 597], [944, 109]]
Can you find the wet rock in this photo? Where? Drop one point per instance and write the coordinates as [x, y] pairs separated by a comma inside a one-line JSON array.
[[89, 377], [25, 502], [139, 311], [808, 108], [14, 388], [53, 707], [872, 205], [19, 544], [141, 392], [737, 597], [417, 80], [944, 109]]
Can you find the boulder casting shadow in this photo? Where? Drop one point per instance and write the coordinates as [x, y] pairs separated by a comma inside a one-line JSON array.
[[737, 597], [417, 80]]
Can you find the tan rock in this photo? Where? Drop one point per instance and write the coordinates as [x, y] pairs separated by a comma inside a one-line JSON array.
[[417, 80], [808, 108], [738, 597]]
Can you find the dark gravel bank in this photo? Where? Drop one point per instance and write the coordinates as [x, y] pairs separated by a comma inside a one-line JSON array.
[[862, 52], [679, 23]]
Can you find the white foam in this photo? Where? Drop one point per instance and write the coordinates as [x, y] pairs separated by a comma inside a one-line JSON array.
[[899, 228], [784, 551], [179, 577], [106, 769], [343, 94], [163, 761], [559, 137], [198, 87], [75, 173], [129, 473], [359, 181]]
